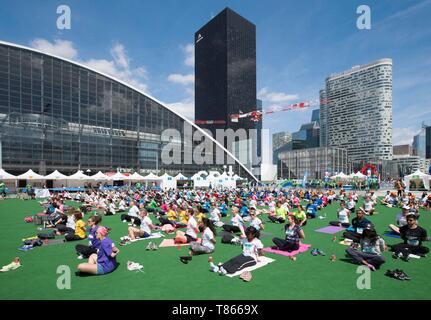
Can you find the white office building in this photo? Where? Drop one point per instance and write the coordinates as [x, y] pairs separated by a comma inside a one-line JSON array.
[[357, 115]]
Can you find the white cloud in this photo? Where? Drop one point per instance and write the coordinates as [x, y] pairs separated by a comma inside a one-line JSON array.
[[182, 79], [118, 67], [61, 48], [403, 135], [185, 107], [276, 97], [189, 51]]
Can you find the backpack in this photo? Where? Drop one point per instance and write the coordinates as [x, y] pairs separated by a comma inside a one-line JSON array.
[[227, 237], [42, 236], [28, 219]]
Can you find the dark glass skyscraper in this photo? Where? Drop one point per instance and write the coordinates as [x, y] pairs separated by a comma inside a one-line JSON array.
[[225, 71]]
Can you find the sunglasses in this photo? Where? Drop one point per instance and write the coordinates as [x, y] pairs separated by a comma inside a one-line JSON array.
[[411, 220]]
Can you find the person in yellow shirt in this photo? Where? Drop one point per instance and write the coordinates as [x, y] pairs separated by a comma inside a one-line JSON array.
[[300, 216], [171, 217], [79, 233], [200, 214], [280, 213]]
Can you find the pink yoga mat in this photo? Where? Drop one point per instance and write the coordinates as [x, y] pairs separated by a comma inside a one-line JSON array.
[[302, 248], [171, 243]]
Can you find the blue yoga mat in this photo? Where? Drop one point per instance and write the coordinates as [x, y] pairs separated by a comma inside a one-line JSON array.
[[392, 235]]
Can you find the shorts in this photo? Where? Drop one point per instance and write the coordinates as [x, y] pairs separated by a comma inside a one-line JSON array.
[[144, 234], [100, 269]]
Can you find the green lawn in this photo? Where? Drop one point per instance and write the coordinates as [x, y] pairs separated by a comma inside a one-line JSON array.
[[166, 277]]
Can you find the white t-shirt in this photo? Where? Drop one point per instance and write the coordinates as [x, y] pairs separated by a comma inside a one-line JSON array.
[[351, 204], [145, 224], [250, 249], [401, 220], [207, 236], [191, 226], [122, 205], [368, 205], [112, 208], [215, 214], [237, 220], [70, 222], [256, 222], [343, 215], [134, 212]]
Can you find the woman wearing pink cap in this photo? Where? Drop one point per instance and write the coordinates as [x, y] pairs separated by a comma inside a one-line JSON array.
[[105, 260]]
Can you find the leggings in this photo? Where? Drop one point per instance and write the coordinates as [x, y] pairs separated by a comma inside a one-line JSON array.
[[72, 237], [356, 237], [198, 248], [276, 219], [86, 251], [63, 228], [230, 228], [407, 249], [129, 218], [337, 224], [284, 245], [358, 256], [238, 263]]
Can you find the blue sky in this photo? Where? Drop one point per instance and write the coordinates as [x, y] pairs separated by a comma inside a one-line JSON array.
[[299, 43]]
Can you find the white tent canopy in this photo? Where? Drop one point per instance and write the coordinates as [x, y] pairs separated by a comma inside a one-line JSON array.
[[6, 176], [152, 177], [168, 181], [200, 179], [180, 176], [30, 175], [100, 176], [118, 177], [418, 176], [56, 176], [135, 177], [237, 177], [78, 175], [358, 175], [341, 176]]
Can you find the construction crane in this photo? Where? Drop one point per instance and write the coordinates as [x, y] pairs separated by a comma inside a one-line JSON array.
[[257, 115]]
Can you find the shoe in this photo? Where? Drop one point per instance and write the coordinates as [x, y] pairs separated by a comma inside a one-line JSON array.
[[124, 221], [402, 275], [26, 247], [185, 261], [397, 255], [314, 252], [371, 267], [131, 266], [149, 246], [80, 257], [222, 271], [321, 252], [124, 242], [154, 246], [405, 257]]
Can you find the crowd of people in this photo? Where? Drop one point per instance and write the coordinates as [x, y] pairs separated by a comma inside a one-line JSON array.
[[238, 216]]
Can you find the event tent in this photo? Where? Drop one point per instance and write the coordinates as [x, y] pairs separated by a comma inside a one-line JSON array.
[[180, 176], [200, 180], [418, 176], [55, 176], [152, 177], [341, 176], [99, 176], [78, 175], [6, 176], [135, 177], [168, 182], [118, 176], [30, 175], [228, 181]]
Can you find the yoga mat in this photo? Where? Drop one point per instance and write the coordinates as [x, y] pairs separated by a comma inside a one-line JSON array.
[[392, 235], [171, 243], [263, 262], [51, 242], [156, 235], [302, 248], [264, 235], [330, 229]]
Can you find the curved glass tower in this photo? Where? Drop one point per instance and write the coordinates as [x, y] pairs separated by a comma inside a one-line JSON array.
[[59, 114]]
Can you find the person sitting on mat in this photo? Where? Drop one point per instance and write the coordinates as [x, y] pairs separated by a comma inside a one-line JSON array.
[[401, 219], [368, 206], [294, 235], [255, 221], [252, 249], [69, 227], [280, 213], [237, 223], [343, 215], [371, 248], [354, 232], [215, 213], [208, 241], [413, 236], [84, 251], [105, 260], [301, 216], [192, 229], [132, 215], [143, 232], [79, 232], [311, 209]]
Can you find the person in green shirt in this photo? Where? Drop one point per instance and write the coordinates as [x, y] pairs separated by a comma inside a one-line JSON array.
[[300, 216], [2, 189], [280, 213], [152, 207]]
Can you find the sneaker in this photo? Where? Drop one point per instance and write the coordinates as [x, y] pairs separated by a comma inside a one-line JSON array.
[[80, 257], [321, 252], [149, 246], [314, 252], [403, 275], [397, 255], [154, 246], [124, 242], [124, 221], [131, 266], [222, 271]]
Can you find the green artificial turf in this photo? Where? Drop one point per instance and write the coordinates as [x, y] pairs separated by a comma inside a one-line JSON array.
[[165, 277]]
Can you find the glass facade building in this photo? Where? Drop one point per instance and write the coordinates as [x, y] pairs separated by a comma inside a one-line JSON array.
[[57, 114]]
